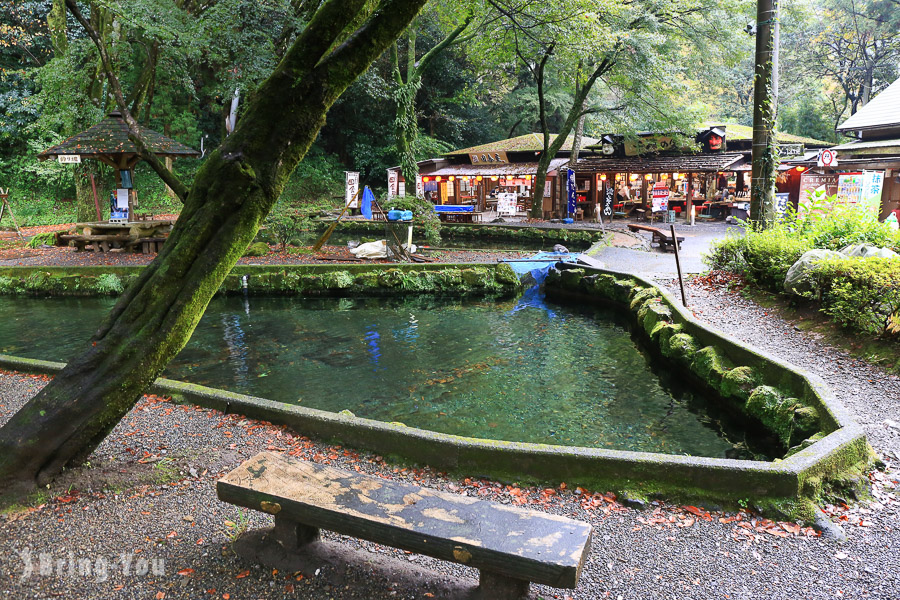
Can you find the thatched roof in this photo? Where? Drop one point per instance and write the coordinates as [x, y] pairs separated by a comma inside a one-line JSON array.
[[530, 142], [110, 137]]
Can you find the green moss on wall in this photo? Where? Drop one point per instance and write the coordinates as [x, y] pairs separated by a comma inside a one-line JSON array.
[[300, 280], [711, 365]]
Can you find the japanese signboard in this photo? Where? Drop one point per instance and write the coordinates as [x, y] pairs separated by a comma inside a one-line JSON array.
[[660, 197], [570, 191], [420, 187], [393, 178], [488, 158], [69, 159], [351, 199], [608, 200]]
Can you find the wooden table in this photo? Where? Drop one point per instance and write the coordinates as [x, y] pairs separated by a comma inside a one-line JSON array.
[[133, 236]]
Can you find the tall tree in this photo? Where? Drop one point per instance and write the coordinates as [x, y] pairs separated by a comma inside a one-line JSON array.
[[765, 110], [406, 87], [231, 194]]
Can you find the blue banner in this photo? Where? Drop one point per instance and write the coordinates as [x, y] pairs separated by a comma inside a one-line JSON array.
[[570, 189], [367, 200]]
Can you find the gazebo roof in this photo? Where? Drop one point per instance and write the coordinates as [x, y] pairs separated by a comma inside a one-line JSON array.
[[109, 138]]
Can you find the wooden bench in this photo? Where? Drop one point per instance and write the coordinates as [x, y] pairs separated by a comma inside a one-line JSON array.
[[510, 546], [659, 236], [100, 243], [148, 245]]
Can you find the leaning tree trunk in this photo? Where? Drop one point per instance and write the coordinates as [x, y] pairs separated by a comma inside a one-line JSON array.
[[232, 193]]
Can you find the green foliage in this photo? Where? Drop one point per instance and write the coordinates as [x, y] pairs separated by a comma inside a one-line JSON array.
[[109, 283], [46, 238], [257, 249], [861, 293], [39, 211], [764, 257], [424, 215]]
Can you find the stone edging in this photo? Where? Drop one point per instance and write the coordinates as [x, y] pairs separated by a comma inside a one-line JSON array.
[[448, 279], [773, 486]]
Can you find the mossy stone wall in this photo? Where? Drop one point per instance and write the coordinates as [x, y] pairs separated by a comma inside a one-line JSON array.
[[301, 280]]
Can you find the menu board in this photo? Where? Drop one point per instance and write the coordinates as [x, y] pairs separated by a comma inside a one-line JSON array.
[[849, 188], [506, 203]]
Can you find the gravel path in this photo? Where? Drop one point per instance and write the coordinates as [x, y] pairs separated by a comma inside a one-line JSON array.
[[149, 494]]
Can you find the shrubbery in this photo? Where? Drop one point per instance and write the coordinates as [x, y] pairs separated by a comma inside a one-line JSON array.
[[860, 293]]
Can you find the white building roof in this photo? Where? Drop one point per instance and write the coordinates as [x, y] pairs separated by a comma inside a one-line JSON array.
[[882, 111]]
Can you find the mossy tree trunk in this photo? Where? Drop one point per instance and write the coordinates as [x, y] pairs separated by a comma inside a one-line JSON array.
[[232, 193], [576, 112], [406, 125]]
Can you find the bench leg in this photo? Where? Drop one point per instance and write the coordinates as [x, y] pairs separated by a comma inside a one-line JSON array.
[[500, 587], [292, 535]]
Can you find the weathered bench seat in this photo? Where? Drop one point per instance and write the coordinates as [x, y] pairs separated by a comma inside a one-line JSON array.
[[509, 545], [660, 237]]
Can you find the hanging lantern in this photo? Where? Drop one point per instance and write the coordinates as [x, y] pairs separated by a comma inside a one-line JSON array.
[[633, 177], [648, 177], [451, 178], [426, 179], [478, 178], [528, 178], [801, 169], [676, 175], [494, 178], [437, 178]]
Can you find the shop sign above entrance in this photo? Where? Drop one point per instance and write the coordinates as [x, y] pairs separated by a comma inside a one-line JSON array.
[[69, 159], [827, 158], [488, 158]]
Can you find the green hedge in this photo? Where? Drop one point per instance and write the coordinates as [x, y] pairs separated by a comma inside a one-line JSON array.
[[862, 293], [763, 258]]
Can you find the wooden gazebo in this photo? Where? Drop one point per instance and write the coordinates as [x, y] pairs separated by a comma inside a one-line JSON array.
[[108, 142]]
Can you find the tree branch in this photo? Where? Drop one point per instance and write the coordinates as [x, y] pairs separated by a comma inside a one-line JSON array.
[[180, 189], [443, 44]]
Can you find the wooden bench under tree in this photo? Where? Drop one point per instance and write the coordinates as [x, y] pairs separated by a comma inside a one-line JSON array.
[[660, 237], [511, 546]]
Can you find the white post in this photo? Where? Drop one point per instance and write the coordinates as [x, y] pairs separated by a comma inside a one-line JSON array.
[[693, 213]]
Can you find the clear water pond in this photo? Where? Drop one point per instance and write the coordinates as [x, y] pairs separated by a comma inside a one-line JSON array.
[[519, 370]]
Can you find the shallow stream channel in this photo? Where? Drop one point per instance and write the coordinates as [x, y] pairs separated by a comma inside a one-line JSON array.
[[518, 370]]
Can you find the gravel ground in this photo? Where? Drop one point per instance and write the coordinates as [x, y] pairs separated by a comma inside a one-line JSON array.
[[67, 257], [149, 494]]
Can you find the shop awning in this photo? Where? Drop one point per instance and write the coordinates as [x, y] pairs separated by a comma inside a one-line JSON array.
[[681, 163]]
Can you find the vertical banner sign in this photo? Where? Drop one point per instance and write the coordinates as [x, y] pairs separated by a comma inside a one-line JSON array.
[[660, 197], [351, 200], [393, 183], [608, 200], [872, 187], [420, 187], [781, 204], [570, 191]]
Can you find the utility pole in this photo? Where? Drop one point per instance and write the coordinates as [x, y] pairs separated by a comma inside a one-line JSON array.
[[765, 108]]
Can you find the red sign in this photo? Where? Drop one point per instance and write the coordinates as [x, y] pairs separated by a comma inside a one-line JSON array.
[[660, 197]]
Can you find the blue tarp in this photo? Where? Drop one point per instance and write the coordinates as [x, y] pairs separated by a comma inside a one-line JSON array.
[[367, 200], [454, 208]]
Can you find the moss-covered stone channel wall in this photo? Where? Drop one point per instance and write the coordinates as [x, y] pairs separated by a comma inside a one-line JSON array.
[[299, 280], [827, 446], [486, 231]]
